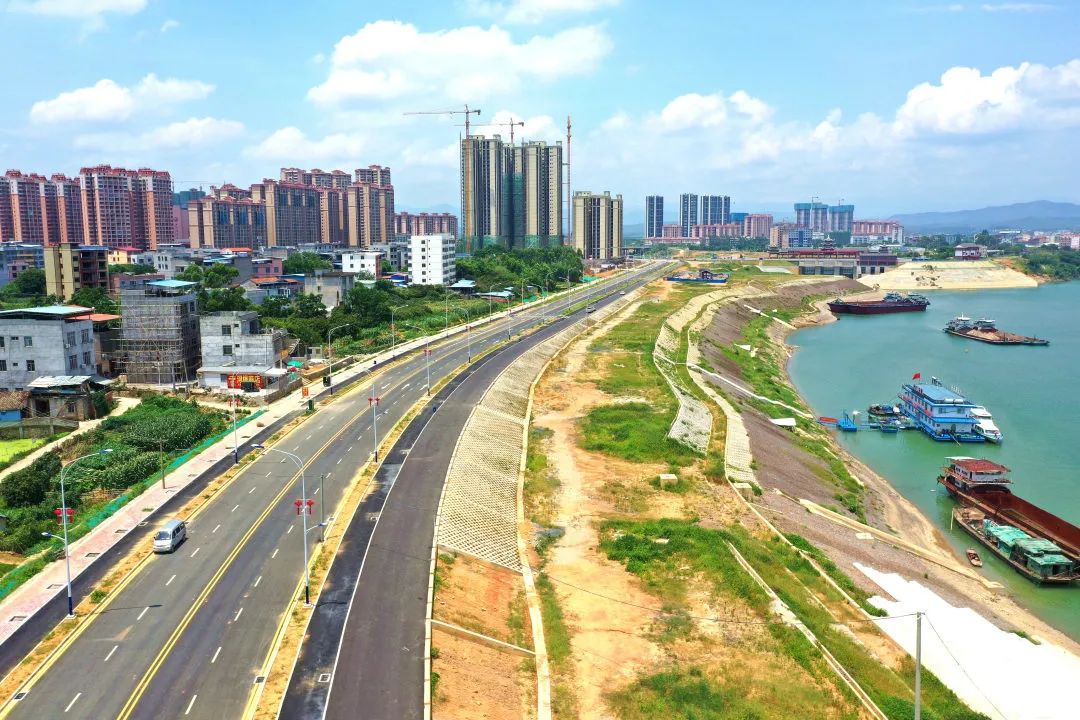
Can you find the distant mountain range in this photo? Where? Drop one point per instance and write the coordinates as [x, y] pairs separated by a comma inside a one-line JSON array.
[[1036, 215]]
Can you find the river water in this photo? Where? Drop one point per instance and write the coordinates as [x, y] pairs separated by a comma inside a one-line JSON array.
[[1033, 393]]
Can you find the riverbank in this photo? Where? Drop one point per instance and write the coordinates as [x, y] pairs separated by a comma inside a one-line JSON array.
[[788, 471], [950, 275]]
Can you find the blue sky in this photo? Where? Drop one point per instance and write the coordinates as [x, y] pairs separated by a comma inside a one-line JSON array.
[[894, 106]]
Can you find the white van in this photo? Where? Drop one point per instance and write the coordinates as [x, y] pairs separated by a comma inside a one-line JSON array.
[[169, 537]]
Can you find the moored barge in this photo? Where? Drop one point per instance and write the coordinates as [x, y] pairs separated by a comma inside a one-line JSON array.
[[891, 303], [987, 331], [1038, 544]]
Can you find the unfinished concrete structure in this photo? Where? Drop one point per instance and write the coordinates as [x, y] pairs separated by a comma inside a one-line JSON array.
[[159, 333]]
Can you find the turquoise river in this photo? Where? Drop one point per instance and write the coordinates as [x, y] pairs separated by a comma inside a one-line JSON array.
[[1033, 393]]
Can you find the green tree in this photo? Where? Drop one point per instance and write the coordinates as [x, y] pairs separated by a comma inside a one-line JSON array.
[[302, 263], [369, 305], [222, 299], [215, 275], [309, 306], [31, 485], [277, 306], [94, 297], [29, 282], [133, 268]]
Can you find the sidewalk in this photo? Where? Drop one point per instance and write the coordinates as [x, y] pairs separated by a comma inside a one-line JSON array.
[[123, 404], [18, 607]]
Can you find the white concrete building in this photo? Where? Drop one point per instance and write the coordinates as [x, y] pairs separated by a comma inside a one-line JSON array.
[[432, 259], [366, 261], [45, 341]]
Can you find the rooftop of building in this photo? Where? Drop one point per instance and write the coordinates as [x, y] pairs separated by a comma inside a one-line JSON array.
[[97, 317], [45, 312], [173, 284], [272, 280], [13, 399], [978, 465], [938, 393]]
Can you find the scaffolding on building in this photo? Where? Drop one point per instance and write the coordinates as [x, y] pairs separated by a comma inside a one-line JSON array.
[[159, 336]]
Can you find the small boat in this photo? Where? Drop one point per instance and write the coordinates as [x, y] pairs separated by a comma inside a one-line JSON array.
[[973, 557], [890, 427], [984, 424], [847, 423], [883, 410]]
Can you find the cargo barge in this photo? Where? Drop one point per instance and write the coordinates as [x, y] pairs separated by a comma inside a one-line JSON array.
[[891, 303], [986, 331], [1037, 544]]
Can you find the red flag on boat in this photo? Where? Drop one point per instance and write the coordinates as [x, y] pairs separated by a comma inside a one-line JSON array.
[[916, 376]]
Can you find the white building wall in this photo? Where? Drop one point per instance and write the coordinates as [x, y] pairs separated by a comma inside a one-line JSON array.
[[432, 259], [369, 261], [35, 348]]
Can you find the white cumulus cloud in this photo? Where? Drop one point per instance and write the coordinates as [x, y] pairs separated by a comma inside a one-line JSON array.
[[534, 11], [107, 100], [291, 145], [389, 59], [185, 134], [169, 24]]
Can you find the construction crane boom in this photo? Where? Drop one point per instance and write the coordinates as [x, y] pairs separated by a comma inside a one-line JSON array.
[[506, 123], [466, 112]]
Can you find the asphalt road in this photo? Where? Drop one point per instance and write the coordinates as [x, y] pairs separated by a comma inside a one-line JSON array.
[[188, 634], [363, 657]]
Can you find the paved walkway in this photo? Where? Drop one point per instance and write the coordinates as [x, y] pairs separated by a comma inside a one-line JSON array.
[[123, 404], [35, 593]]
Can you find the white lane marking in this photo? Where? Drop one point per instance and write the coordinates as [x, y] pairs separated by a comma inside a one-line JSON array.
[[142, 613], [328, 475], [196, 551], [215, 529], [405, 385], [216, 653], [257, 581], [190, 704], [169, 580], [275, 553], [309, 435], [238, 614], [269, 473], [234, 508], [290, 529], [77, 696], [350, 449], [316, 491], [111, 652], [251, 490], [386, 386], [359, 437], [338, 461]]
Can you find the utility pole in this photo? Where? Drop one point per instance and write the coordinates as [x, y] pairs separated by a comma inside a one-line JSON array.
[[373, 401], [918, 665], [161, 461]]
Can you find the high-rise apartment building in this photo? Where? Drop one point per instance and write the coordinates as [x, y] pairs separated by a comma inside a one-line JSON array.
[[715, 209], [370, 214], [532, 194], [69, 211], [316, 177], [654, 216], [69, 268], [25, 207], [688, 213], [757, 225], [374, 174], [482, 174], [598, 225], [126, 208], [406, 223], [812, 215], [841, 217], [293, 212], [226, 222]]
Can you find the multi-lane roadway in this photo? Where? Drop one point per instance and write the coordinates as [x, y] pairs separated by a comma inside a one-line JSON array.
[[188, 634]]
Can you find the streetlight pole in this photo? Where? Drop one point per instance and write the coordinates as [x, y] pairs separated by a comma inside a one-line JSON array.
[[322, 506], [918, 665], [303, 512], [161, 461], [64, 521], [373, 401], [427, 368], [235, 443], [330, 353]]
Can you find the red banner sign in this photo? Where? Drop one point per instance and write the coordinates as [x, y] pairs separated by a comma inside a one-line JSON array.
[[237, 381]]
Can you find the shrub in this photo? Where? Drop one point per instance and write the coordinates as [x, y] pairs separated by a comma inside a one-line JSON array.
[[30, 485]]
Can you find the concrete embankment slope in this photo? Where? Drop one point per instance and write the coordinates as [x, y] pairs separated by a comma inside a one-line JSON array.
[[950, 275]]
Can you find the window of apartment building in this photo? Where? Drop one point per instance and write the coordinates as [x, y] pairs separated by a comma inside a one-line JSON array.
[[86, 359], [71, 338], [1, 342], [3, 365], [73, 362], [28, 341], [226, 349], [226, 330], [31, 366], [86, 336]]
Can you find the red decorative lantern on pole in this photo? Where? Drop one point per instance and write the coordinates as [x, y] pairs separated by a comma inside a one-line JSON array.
[[299, 505]]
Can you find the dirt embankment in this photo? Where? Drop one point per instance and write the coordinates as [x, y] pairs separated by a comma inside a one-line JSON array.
[[787, 472]]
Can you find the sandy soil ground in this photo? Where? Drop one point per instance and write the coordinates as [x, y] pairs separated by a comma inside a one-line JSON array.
[[786, 468], [949, 275], [475, 680]]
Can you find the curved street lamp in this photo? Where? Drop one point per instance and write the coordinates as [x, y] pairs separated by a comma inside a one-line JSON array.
[[330, 353], [64, 520]]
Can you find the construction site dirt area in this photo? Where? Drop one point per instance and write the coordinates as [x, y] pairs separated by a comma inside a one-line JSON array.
[[476, 680]]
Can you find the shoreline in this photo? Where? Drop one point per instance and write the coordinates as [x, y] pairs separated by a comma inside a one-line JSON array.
[[907, 521]]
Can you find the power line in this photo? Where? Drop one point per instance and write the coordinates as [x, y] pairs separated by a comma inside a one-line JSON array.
[[970, 679]]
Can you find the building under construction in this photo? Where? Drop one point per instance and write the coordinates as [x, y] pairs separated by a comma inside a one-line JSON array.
[[159, 333]]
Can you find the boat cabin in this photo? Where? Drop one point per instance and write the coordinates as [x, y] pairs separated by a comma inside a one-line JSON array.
[[940, 412], [971, 473]]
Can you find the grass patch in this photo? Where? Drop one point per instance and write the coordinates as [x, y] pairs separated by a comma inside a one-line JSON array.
[[11, 451], [636, 432], [557, 640], [540, 482]]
